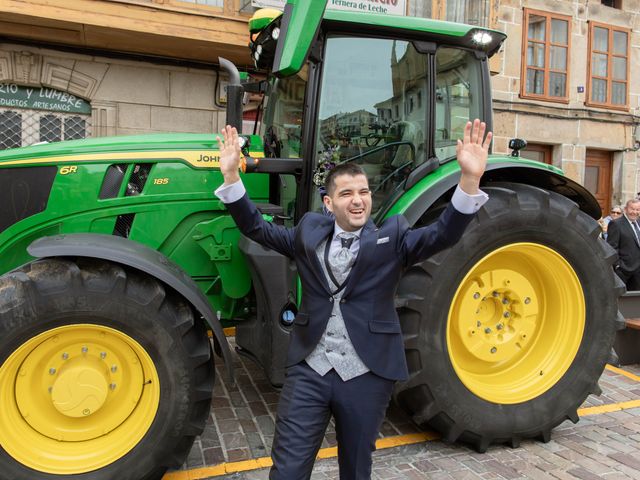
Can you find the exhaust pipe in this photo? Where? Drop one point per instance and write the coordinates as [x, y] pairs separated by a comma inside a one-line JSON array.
[[235, 93]]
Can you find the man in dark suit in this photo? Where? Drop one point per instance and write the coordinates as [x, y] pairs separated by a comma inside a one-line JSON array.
[[346, 348], [623, 234]]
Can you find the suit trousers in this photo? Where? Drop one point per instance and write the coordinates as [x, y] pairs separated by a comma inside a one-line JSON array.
[[306, 404]]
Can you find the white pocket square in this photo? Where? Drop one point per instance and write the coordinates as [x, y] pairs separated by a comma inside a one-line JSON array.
[[382, 240]]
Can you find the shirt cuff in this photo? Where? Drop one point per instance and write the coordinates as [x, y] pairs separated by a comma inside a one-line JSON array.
[[468, 204], [230, 193]]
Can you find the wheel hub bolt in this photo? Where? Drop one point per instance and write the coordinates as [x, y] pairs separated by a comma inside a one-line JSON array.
[[103, 355], [114, 368], [52, 371], [506, 315], [476, 295], [487, 330], [112, 386], [499, 326], [65, 356], [478, 323], [85, 349], [527, 301], [505, 301], [50, 389], [495, 294], [494, 350]]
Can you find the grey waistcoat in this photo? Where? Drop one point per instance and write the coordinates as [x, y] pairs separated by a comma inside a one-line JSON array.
[[335, 350]]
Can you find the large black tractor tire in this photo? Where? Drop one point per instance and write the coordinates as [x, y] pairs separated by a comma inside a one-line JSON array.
[[507, 332], [104, 374]]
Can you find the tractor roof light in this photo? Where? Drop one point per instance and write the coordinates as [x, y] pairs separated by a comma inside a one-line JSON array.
[[275, 33], [262, 18], [482, 38]]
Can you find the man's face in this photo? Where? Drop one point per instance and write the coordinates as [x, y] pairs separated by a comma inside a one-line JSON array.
[[350, 201], [632, 210]]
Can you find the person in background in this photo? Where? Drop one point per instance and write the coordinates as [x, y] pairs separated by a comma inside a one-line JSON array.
[[623, 234], [613, 214]]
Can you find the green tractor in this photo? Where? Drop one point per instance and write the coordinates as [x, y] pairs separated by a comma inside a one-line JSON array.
[[117, 259]]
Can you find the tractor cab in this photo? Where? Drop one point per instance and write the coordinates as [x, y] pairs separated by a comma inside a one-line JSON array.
[[393, 100]]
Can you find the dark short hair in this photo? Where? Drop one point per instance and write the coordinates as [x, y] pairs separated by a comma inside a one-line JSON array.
[[349, 168]]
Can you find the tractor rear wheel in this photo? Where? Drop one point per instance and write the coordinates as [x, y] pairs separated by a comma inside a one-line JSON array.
[[103, 373], [507, 332]]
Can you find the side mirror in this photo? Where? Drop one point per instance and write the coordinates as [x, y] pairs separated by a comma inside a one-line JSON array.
[[517, 144]]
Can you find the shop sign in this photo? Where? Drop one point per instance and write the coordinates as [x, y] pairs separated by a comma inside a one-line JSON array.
[[41, 98], [390, 7]]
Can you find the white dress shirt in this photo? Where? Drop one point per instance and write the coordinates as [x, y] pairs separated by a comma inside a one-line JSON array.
[[462, 201]]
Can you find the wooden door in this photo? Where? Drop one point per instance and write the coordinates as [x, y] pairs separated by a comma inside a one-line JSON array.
[[537, 151], [597, 177]]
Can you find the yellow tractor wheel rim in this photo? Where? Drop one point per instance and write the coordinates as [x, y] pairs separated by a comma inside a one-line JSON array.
[[516, 323], [76, 398]]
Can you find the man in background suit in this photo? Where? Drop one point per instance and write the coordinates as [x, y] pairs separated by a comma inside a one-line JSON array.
[[346, 349], [623, 234]]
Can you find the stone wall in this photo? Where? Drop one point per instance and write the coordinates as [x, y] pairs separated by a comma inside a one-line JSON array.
[[127, 97], [570, 128]]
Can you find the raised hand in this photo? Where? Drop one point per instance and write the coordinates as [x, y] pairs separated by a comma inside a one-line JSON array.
[[472, 152], [229, 155]]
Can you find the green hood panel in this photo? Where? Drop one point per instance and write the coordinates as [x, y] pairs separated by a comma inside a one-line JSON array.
[[132, 143]]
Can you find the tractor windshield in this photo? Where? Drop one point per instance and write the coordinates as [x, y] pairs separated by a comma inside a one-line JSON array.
[[382, 101]]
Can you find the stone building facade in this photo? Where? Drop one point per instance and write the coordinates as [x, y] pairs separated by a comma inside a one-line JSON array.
[[126, 97], [568, 82], [139, 66], [144, 66]]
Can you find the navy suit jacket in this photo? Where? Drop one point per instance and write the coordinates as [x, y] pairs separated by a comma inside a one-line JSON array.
[[367, 302], [621, 237]]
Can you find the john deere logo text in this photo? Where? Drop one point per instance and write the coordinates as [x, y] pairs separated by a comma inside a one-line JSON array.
[[208, 158]]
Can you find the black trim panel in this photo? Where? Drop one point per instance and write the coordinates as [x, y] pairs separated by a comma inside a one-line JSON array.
[[24, 192]]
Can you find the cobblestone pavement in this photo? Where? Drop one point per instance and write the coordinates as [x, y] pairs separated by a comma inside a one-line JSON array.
[[603, 445]]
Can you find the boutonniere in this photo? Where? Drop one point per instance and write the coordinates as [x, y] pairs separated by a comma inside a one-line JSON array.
[[326, 161]]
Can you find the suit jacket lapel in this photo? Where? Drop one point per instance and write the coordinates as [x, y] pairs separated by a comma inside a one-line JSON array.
[[633, 233], [316, 235], [368, 240]]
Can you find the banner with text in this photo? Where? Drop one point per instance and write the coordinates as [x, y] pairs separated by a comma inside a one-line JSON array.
[[41, 98], [390, 7]]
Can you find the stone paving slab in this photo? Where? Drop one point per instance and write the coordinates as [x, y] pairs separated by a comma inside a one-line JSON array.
[[241, 427]]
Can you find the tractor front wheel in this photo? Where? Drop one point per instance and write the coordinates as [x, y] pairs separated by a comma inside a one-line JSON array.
[[103, 373], [507, 332]]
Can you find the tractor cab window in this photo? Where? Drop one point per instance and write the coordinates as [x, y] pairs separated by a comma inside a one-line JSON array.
[[373, 106], [281, 131], [458, 97], [281, 127]]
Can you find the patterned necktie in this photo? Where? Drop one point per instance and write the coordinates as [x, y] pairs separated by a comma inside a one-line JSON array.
[[636, 230], [342, 259]]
